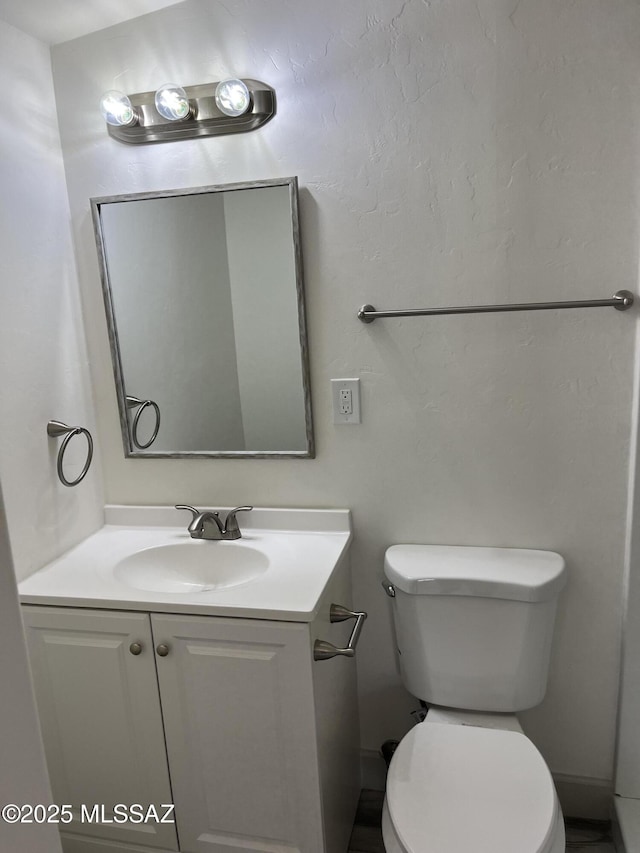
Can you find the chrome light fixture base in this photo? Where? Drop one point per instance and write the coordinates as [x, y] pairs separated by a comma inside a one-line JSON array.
[[204, 119]]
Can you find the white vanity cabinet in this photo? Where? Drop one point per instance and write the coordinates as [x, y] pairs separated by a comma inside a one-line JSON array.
[[261, 740]]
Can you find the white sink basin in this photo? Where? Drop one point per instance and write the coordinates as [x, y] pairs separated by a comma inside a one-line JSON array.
[[194, 566], [144, 559]]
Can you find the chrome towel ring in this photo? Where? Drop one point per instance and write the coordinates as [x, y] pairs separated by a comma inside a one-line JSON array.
[[54, 430], [132, 402]]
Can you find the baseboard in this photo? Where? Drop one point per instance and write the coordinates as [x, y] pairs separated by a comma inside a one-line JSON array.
[[373, 770], [584, 797]]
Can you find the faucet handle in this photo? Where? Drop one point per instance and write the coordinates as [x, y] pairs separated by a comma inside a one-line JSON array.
[[195, 512], [231, 522]]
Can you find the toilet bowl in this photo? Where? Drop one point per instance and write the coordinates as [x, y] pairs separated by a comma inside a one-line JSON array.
[[460, 788], [473, 631]]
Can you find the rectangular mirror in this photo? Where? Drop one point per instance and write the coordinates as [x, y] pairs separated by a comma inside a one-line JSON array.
[[205, 309]]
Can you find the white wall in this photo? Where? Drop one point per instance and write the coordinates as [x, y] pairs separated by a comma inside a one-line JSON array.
[[447, 153], [43, 361], [627, 770]]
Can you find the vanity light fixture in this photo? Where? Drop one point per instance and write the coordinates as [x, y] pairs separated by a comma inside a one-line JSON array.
[[173, 112]]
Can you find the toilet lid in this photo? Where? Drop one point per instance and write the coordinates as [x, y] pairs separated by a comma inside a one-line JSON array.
[[455, 788]]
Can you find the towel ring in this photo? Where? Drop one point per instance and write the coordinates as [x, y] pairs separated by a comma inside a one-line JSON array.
[[54, 430], [132, 402]]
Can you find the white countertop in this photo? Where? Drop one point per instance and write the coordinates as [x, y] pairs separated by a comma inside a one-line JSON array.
[[303, 547]]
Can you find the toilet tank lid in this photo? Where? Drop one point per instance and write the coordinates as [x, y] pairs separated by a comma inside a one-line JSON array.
[[510, 573]]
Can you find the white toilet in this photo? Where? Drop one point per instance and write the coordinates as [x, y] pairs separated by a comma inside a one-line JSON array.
[[474, 629]]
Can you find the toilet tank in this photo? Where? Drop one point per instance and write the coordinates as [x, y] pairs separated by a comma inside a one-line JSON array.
[[474, 625]]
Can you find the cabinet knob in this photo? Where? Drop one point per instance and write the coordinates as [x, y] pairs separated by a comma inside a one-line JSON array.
[[135, 648], [162, 650]]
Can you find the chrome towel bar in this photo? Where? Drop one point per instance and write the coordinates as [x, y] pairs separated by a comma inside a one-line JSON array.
[[54, 430], [622, 300], [323, 650]]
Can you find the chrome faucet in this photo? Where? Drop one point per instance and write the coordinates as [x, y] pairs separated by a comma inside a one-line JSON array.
[[208, 525]]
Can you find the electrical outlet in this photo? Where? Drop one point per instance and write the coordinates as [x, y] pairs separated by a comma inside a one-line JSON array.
[[345, 394], [346, 404]]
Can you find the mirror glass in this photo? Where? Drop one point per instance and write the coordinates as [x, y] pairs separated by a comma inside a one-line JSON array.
[[205, 308]]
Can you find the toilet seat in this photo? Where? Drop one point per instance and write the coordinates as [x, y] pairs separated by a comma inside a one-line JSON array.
[[454, 789]]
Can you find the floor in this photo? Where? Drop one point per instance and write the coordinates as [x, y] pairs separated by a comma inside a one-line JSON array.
[[582, 835]]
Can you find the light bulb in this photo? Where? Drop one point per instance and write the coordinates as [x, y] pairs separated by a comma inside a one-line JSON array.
[[116, 109], [172, 102], [232, 97]]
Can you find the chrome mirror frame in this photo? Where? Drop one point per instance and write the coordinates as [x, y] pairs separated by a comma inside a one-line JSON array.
[[130, 449]]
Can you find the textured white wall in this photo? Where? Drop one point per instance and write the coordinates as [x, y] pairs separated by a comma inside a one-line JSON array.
[[43, 361], [447, 153], [627, 767]]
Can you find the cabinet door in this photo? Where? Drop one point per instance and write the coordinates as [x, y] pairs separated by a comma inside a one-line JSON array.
[[237, 701], [100, 716]]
